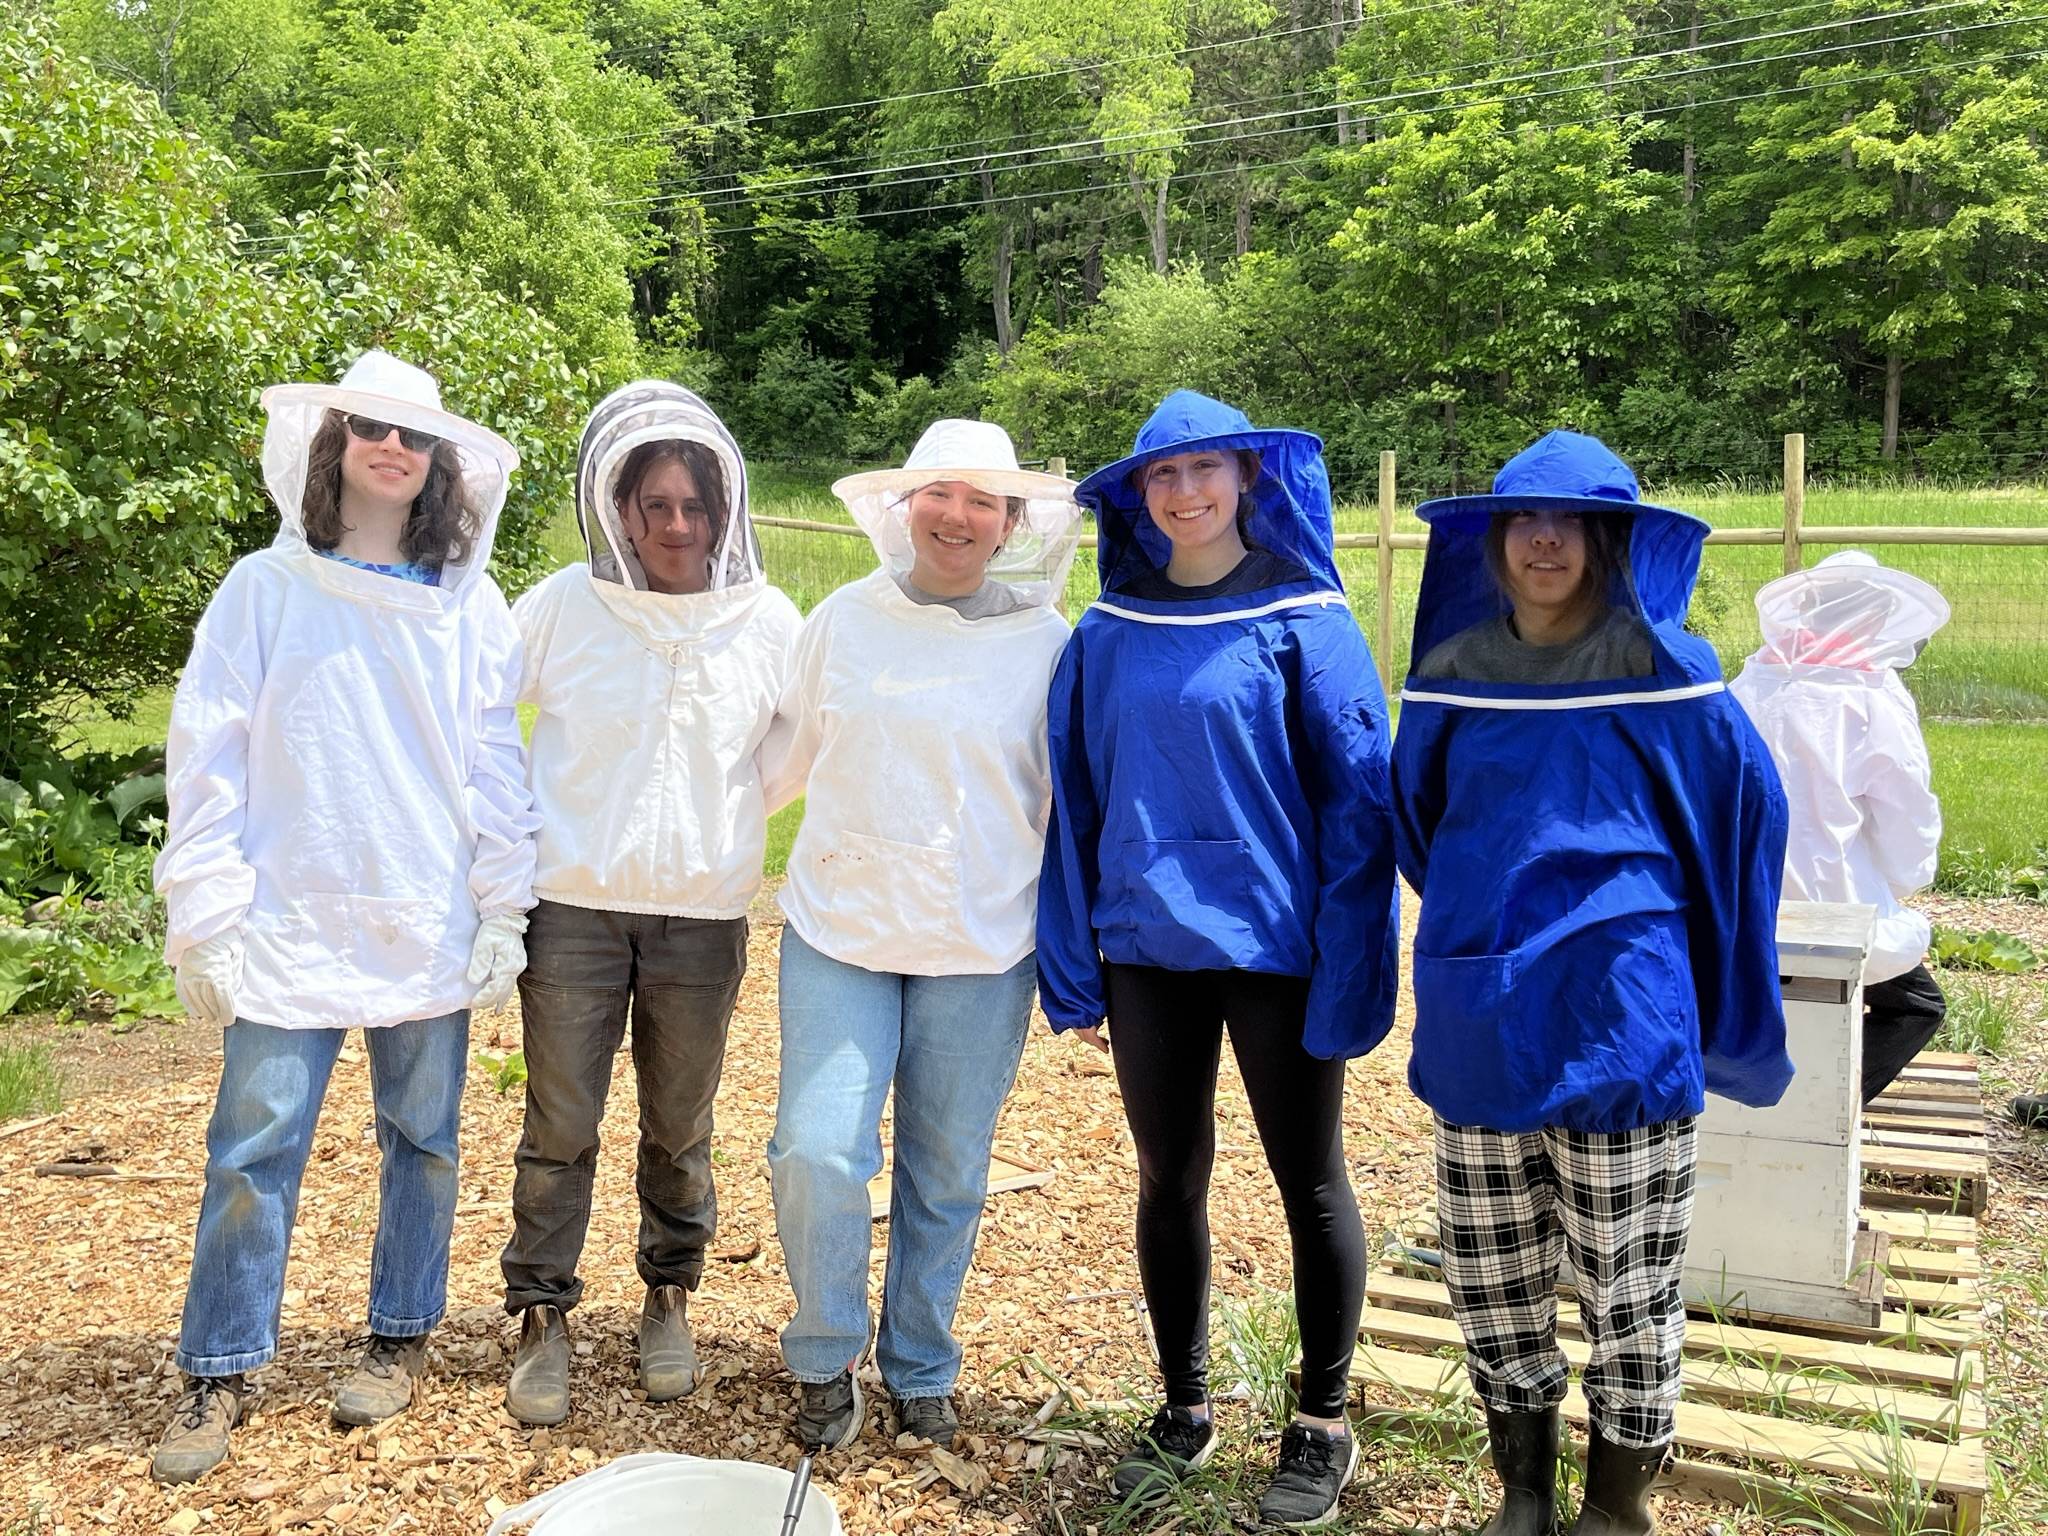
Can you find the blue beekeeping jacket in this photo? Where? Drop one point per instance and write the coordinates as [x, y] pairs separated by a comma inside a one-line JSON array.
[[1221, 795], [1599, 865]]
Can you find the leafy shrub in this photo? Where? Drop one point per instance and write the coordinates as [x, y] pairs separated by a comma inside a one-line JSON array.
[[1989, 950], [78, 918]]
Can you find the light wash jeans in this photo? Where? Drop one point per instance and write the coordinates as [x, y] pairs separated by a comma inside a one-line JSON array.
[[950, 1046], [272, 1083]]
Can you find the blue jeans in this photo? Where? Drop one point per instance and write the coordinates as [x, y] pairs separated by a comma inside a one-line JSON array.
[[950, 1046], [272, 1083]]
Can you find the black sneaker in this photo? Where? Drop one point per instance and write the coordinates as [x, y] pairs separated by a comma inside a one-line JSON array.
[[1167, 1449], [929, 1418], [829, 1418], [1314, 1467]]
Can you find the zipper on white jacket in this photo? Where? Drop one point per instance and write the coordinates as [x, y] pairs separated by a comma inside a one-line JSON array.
[[1300, 600]]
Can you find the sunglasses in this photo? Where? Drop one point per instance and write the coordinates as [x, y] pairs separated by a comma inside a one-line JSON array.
[[371, 430]]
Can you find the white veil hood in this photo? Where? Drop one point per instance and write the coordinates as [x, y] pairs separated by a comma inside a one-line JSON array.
[[654, 410], [1848, 611], [389, 389], [1037, 552]]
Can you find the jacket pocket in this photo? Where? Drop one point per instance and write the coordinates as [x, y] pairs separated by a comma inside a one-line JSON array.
[[1192, 904], [362, 947], [1468, 1047], [873, 887]]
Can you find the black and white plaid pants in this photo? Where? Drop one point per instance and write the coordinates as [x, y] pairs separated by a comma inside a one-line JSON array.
[[1509, 1207]]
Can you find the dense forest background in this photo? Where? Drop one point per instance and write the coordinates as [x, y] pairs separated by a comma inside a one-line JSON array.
[[1435, 227]]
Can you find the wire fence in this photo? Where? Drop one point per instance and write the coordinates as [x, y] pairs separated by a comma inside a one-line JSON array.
[[1985, 549]]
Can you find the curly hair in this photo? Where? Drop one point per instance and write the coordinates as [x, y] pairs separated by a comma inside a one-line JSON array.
[[442, 527], [694, 456]]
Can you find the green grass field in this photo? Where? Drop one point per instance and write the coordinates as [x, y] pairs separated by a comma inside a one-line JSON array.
[[1983, 682]]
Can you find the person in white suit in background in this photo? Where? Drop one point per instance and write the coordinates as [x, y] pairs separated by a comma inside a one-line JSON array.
[[1825, 693]]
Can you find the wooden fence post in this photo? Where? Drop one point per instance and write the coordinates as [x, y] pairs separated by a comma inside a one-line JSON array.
[[1385, 551], [1795, 497], [1056, 465]]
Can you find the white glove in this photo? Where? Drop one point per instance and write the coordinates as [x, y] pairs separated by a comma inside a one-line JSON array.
[[209, 976], [496, 959]]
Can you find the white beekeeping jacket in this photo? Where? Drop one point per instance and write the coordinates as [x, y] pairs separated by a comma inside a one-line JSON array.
[[1825, 694], [653, 706], [345, 778], [918, 737]]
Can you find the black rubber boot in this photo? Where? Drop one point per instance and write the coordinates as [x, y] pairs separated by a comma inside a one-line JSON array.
[[1524, 1449], [1617, 1499]]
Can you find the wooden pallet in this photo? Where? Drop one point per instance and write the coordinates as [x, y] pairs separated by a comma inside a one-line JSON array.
[[1760, 1405], [1769, 1402], [1926, 1143], [1006, 1172]]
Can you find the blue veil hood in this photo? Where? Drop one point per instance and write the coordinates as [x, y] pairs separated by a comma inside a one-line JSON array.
[[1560, 472], [1290, 511]]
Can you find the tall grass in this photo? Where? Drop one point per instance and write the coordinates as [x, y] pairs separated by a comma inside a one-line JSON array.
[[1980, 1021], [30, 1082]]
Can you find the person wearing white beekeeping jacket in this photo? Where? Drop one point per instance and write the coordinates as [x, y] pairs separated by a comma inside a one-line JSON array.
[[350, 847], [914, 722], [655, 667], [1825, 693]]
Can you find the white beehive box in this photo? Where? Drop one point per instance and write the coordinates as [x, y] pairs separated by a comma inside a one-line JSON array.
[[1776, 1213]]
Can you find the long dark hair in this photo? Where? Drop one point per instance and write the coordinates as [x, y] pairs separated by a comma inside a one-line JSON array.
[[442, 527], [694, 456], [1607, 538]]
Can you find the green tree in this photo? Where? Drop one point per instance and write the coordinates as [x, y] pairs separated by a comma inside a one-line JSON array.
[[132, 349], [134, 344], [222, 66], [1494, 275], [1888, 209], [502, 180]]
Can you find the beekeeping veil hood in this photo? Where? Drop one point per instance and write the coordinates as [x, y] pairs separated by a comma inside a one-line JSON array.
[[1286, 511], [1035, 553], [653, 411], [1848, 611], [387, 389], [1599, 862]]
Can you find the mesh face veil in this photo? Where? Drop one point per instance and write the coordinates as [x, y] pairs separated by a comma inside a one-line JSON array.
[[653, 411]]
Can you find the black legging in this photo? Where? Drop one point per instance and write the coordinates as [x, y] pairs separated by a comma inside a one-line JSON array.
[[1166, 1034]]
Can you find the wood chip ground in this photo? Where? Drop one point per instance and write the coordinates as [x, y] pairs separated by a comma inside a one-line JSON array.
[[92, 1276]]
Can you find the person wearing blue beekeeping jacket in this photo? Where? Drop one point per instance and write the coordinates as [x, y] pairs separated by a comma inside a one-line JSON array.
[[1598, 835], [1221, 857]]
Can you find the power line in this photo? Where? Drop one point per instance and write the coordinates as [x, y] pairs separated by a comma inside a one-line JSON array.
[[1470, 67], [1045, 74], [973, 85], [718, 231], [779, 193]]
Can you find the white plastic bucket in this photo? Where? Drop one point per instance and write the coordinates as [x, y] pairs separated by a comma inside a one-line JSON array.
[[666, 1495]]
